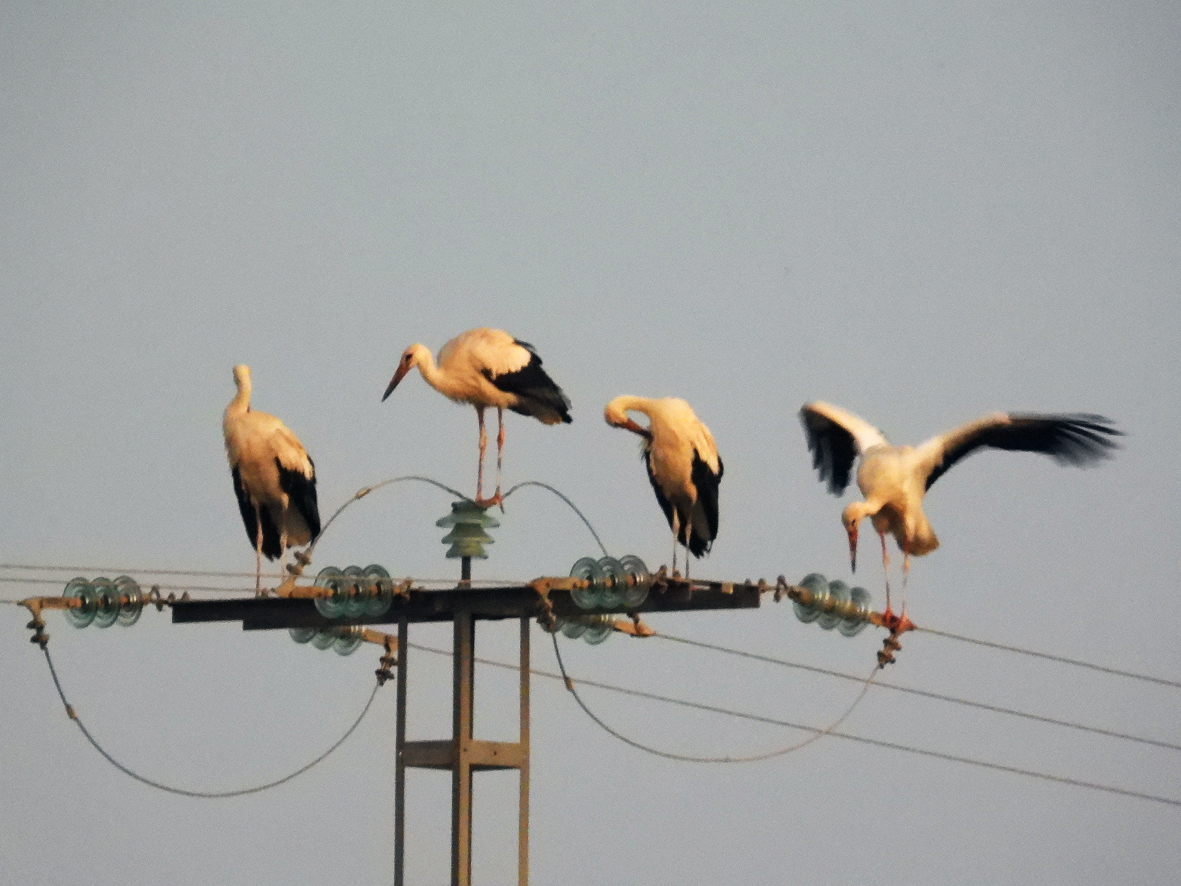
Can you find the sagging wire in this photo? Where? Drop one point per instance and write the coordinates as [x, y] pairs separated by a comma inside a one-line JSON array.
[[687, 758], [205, 795], [834, 733], [573, 507], [42, 639], [365, 490], [651, 750]]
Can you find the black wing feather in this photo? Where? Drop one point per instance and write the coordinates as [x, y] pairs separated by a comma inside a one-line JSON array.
[[1078, 439], [301, 494], [253, 517], [833, 450], [537, 394], [706, 482]]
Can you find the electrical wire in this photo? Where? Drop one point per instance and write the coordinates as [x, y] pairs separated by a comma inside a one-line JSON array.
[[573, 507], [923, 693], [365, 490], [833, 732], [753, 758], [205, 795], [1058, 658], [361, 493], [144, 570], [817, 733]]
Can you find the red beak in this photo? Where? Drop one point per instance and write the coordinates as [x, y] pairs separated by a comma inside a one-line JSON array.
[[636, 429], [398, 376], [853, 548]]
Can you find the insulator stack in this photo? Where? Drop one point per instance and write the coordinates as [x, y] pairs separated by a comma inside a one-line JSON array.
[[593, 629], [104, 602], [467, 536], [354, 592], [613, 584], [832, 604], [342, 640]]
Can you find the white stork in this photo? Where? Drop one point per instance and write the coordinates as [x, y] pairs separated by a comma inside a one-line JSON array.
[[488, 367], [683, 465], [894, 479], [273, 476]]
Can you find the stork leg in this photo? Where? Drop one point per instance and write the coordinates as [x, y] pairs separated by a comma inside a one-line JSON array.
[[676, 539], [905, 576], [483, 446], [886, 565], [498, 498], [282, 556], [257, 552]]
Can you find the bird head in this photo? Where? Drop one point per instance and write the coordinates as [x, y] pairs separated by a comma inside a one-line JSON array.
[[851, 517], [410, 359], [616, 416]]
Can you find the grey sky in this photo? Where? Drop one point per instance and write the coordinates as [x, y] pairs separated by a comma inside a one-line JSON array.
[[919, 211]]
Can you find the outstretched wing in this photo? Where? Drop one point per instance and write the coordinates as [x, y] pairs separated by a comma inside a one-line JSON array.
[[835, 438], [1075, 439]]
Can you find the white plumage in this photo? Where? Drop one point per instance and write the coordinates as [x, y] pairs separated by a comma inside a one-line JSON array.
[[894, 479], [488, 367], [683, 466], [274, 478]]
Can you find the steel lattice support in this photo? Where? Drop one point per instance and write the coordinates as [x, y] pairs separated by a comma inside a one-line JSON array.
[[463, 754]]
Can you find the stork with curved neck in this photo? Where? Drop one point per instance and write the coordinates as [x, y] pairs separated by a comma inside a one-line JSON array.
[[683, 466]]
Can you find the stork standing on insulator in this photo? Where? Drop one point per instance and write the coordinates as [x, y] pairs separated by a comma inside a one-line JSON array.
[[274, 478], [894, 479], [683, 465], [488, 367]]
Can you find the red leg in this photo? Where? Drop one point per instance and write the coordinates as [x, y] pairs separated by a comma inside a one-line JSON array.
[[905, 576], [886, 565], [483, 446], [499, 457], [258, 553], [676, 540]]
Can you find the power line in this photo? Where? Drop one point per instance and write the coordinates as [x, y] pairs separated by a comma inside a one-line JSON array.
[[573, 507], [753, 758], [911, 749], [205, 795], [1058, 658], [923, 693]]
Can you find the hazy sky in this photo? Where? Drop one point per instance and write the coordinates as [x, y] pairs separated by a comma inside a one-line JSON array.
[[920, 211]]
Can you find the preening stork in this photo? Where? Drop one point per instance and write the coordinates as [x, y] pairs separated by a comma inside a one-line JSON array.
[[683, 465], [488, 367], [274, 478], [894, 479]]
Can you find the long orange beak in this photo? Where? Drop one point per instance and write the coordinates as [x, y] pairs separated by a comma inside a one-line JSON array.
[[398, 376], [853, 548], [637, 429]]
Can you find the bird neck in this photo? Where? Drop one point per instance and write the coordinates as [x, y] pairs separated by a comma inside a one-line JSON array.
[[617, 409], [240, 405], [856, 511], [434, 376]]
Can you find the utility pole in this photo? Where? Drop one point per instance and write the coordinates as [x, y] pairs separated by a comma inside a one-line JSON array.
[[586, 601], [545, 598]]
